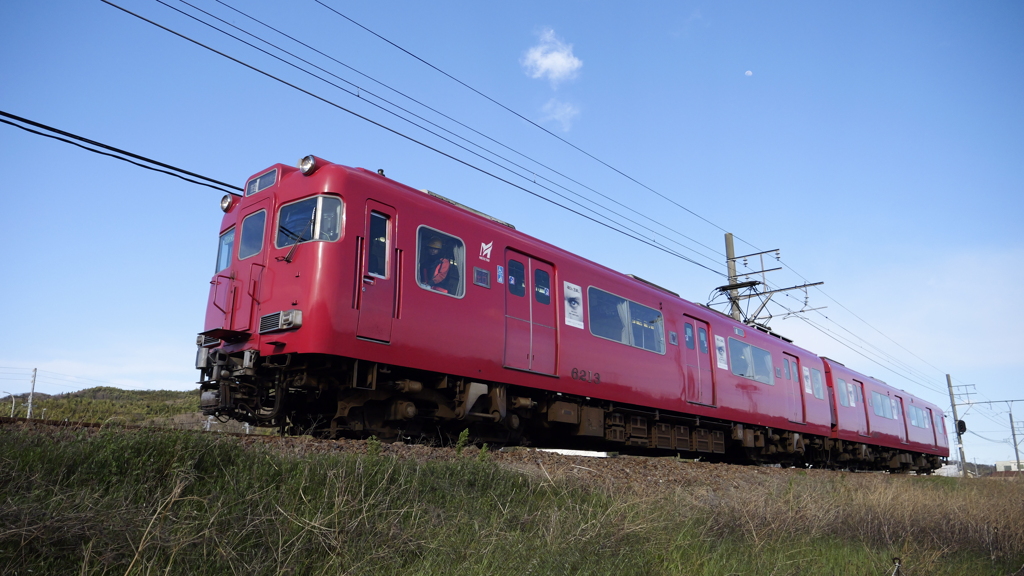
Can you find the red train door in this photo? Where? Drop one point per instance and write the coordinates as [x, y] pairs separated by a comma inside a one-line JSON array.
[[699, 387], [861, 396], [529, 314], [794, 392], [901, 415], [376, 300], [252, 257]]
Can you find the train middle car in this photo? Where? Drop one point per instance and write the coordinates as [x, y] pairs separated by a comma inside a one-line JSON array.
[[345, 303]]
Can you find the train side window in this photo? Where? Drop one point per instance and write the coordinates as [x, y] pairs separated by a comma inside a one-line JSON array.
[[378, 264], [817, 384], [785, 362], [227, 243], [882, 406], [251, 242], [316, 218], [542, 286], [751, 362], [703, 339], [625, 321], [841, 392], [516, 278], [688, 335], [441, 258]]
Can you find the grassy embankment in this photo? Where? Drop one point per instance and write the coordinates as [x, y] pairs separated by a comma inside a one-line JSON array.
[[166, 502]]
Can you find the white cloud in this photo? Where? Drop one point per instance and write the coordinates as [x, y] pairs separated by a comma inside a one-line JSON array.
[[561, 112], [551, 59], [749, 73]]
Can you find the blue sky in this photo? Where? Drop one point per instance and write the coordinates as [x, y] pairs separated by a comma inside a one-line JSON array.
[[877, 145]]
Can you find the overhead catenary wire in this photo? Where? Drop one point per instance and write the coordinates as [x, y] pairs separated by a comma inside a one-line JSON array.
[[531, 122], [521, 116], [450, 118], [360, 90], [517, 186], [411, 139]]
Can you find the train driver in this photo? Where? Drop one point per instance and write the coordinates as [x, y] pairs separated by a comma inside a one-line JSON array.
[[437, 271]]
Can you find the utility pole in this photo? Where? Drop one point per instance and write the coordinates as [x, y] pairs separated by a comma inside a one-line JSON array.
[[31, 394], [956, 423], [1016, 451], [730, 256]]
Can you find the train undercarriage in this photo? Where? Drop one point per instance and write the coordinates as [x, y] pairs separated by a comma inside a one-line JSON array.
[[330, 397]]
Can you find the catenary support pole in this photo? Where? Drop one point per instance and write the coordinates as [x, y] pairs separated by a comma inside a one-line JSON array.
[[31, 394], [730, 259], [1016, 451], [956, 426]]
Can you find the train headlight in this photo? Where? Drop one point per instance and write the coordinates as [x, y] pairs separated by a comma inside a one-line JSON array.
[[225, 202], [308, 165]]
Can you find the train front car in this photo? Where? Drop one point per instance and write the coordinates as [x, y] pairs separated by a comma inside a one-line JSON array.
[[326, 317]]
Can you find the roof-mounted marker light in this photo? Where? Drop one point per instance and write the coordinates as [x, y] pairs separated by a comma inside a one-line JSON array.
[[225, 202], [308, 165]]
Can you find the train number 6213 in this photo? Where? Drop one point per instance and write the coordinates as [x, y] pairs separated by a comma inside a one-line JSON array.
[[586, 375]]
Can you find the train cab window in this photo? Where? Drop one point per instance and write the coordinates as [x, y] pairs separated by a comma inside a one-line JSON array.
[[542, 286], [441, 258], [616, 318], [227, 243], [841, 392], [317, 218], [703, 339], [378, 264], [751, 362], [251, 242], [817, 384], [516, 278], [688, 335]]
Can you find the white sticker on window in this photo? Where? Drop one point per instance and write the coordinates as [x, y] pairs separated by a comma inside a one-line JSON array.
[[573, 305], [723, 361]]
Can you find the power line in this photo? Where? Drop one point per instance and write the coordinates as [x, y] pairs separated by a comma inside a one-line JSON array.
[[411, 54], [411, 139], [517, 114], [447, 117], [172, 170], [358, 94]]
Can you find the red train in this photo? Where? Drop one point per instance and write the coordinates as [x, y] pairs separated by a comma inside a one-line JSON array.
[[345, 303]]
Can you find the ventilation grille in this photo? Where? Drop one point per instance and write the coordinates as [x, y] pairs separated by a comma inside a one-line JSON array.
[[210, 341], [270, 322]]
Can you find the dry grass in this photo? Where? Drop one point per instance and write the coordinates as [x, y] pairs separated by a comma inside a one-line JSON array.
[[160, 502]]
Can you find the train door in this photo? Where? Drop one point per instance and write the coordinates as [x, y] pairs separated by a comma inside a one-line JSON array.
[[794, 392], [529, 314], [699, 386], [858, 387], [252, 259], [378, 286], [901, 415]]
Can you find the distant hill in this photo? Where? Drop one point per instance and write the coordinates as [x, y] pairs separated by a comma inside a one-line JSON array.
[[105, 403]]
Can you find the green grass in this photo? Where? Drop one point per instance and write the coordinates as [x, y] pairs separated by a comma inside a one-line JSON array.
[[165, 502]]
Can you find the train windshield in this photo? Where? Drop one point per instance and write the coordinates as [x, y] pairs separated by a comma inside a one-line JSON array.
[[317, 218]]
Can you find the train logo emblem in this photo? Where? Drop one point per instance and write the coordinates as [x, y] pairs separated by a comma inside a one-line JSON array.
[[485, 251]]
